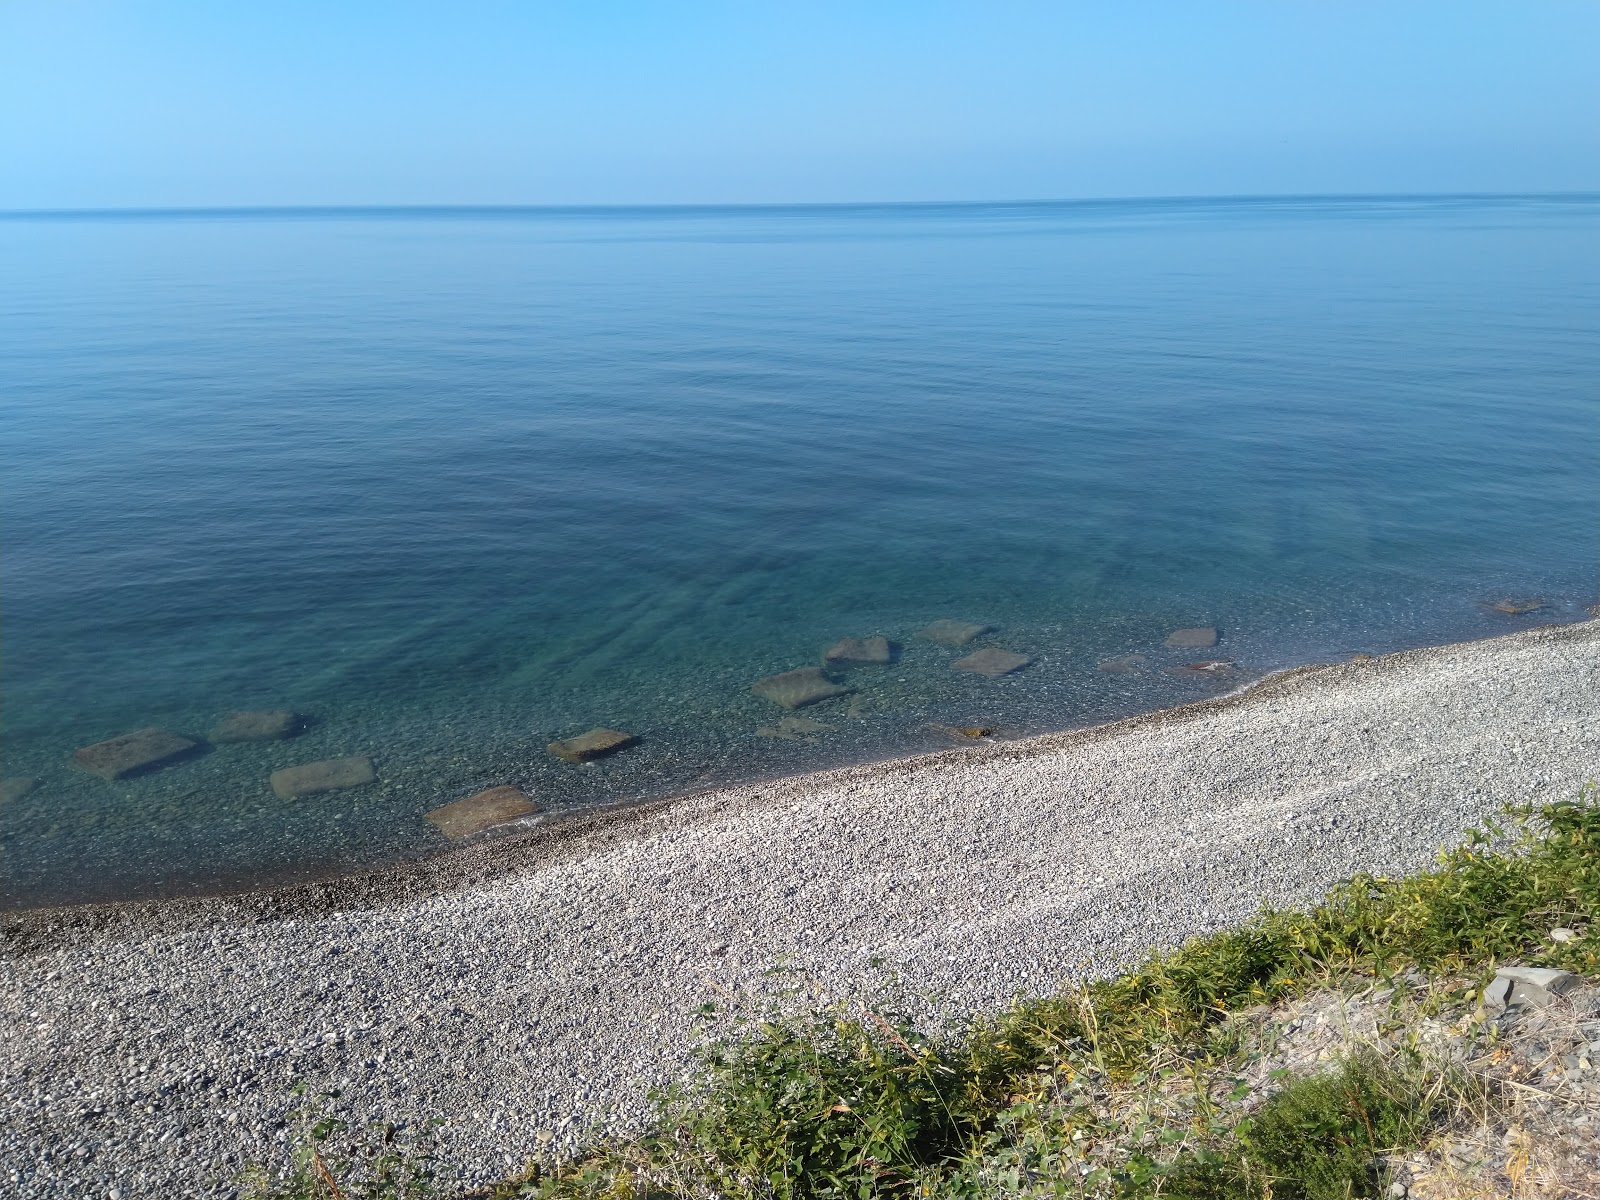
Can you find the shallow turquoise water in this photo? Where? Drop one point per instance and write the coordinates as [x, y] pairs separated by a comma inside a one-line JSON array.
[[455, 483]]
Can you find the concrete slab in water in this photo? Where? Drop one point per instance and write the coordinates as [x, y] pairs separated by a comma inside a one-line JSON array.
[[794, 689], [462, 818], [992, 662], [137, 751], [330, 775], [859, 650], [955, 633], [1128, 664], [1199, 638], [251, 726], [594, 744], [794, 729], [14, 789]]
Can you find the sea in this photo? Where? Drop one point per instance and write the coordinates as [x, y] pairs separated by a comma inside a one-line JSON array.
[[452, 484]]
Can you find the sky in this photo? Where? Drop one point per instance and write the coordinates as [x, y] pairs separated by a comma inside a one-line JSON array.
[[142, 103]]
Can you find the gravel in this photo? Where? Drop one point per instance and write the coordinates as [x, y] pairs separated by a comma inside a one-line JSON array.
[[531, 989]]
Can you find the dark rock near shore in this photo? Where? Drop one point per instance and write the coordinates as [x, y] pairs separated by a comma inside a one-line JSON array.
[[330, 775], [992, 662], [859, 650], [1192, 639], [594, 744], [460, 819], [955, 633], [250, 726], [141, 750], [795, 689]]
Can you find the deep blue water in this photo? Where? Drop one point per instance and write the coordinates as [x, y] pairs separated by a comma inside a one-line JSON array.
[[455, 483]]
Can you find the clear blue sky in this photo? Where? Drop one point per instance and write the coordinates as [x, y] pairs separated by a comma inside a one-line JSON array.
[[141, 102]]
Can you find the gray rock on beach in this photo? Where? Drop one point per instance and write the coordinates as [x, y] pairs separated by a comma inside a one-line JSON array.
[[955, 633], [1199, 638], [594, 744], [992, 662], [795, 689], [859, 650], [271, 725], [140, 750], [461, 819], [330, 775], [1526, 987]]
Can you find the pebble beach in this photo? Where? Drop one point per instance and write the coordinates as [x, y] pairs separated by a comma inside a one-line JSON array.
[[531, 988]]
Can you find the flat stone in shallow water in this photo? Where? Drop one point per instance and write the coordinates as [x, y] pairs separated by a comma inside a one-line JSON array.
[[14, 789], [859, 650], [461, 819], [794, 689], [991, 662], [136, 751], [249, 726], [594, 744], [955, 633], [1192, 639], [1128, 664], [330, 775], [794, 729]]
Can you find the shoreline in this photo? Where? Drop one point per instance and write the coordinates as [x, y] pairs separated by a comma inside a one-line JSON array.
[[542, 982], [484, 859]]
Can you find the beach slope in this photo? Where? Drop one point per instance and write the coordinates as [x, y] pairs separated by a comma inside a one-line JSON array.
[[539, 985]]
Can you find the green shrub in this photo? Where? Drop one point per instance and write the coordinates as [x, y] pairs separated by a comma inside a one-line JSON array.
[[1323, 1137]]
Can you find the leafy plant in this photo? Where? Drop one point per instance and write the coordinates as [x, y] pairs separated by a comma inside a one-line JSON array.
[[334, 1160]]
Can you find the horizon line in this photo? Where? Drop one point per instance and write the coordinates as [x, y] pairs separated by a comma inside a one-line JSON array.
[[690, 206]]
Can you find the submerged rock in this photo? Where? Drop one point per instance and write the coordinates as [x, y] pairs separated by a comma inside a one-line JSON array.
[[1210, 665], [795, 689], [955, 633], [1200, 638], [14, 789], [461, 819], [859, 650], [1515, 608], [595, 744], [1127, 664], [137, 751], [250, 726], [992, 662], [793, 729], [330, 775]]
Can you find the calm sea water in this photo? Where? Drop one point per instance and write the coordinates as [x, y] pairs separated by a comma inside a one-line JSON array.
[[455, 483]]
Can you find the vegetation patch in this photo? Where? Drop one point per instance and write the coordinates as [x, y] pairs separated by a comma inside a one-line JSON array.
[[1149, 1084]]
